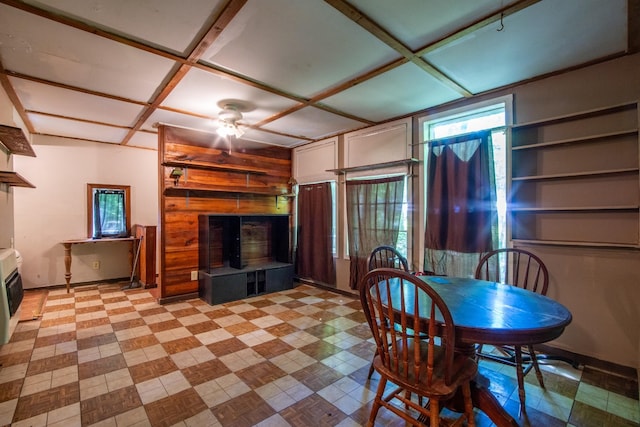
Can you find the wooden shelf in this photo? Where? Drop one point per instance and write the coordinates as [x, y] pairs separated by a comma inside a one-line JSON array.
[[578, 183], [570, 175], [341, 171], [202, 192], [578, 244], [13, 138], [13, 179], [214, 167], [625, 208], [578, 115], [593, 138]]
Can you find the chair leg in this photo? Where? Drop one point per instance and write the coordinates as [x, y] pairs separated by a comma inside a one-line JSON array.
[[434, 413], [520, 374], [377, 402], [534, 361], [371, 367], [468, 405]]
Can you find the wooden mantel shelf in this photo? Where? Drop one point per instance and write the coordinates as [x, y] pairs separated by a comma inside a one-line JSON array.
[[340, 171], [213, 166], [13, 179]]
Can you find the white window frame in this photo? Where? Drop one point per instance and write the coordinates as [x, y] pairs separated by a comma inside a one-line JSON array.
[[507, 100]]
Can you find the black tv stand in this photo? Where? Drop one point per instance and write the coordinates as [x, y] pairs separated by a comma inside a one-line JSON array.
[[242, 256]]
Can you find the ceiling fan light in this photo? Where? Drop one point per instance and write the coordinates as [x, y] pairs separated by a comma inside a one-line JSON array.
[[227, 128]]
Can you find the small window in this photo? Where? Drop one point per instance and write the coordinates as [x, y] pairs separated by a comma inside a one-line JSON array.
[[109, 212]]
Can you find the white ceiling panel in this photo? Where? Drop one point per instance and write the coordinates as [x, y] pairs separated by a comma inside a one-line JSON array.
[[68, 103], [540, 39], [418, 23], [302, 46], [48, 125], [412, 90], [77, 58], [313, 123], [271, 138], [200, 91], [144, 140], [177, 119], [91, 69], [167, 23]]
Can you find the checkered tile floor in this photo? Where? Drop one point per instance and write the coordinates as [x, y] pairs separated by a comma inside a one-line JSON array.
[[100, 356]]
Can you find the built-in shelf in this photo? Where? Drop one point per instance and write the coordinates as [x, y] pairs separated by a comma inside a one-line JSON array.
[[593, 138], [576, 174], [340, 171], [208, 192], [13, 179], [574, 243], [215, 167], [629, 208], [578, 183], [578, 115], [16, 142]]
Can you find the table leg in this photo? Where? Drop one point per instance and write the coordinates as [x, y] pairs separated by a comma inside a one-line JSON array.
[[481, 396], [67, 264], [484, 400]]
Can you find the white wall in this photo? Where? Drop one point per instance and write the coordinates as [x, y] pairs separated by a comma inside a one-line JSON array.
[[56, 209]]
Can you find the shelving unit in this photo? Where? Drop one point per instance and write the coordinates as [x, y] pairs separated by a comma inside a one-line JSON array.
[[575, 179], [15, 141]]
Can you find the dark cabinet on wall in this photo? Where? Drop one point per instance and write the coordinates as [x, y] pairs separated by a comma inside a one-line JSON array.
[[242, 256]]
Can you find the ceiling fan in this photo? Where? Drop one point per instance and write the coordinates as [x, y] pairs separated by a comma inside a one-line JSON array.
[[228, 119]]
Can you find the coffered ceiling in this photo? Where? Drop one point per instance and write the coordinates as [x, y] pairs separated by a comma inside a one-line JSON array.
[[302, 70]]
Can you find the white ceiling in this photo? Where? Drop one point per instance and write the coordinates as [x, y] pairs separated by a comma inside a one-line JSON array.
[[110, 70]]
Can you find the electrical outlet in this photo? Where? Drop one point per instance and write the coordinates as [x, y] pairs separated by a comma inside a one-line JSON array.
[[96, 265], [194, 275]]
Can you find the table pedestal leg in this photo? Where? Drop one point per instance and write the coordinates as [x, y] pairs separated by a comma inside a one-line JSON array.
[[484, 400], [481, 396], [67, 264]]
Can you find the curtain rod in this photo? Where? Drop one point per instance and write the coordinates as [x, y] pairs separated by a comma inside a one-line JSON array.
[[461, 135]]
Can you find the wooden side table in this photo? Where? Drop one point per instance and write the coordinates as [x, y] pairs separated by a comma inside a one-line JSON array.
[[69, 243]]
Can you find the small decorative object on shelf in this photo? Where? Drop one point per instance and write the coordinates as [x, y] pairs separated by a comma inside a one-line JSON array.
[[176, 174]]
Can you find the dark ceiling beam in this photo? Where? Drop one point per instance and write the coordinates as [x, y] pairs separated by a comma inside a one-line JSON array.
[[79, 25], [73, 88], [13, 96], [229, 10], [194, 59], [476, 25], [376, 30]]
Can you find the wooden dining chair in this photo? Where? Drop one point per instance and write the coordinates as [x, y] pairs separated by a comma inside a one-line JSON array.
[[412, 360], [385, 257], [521, 268]]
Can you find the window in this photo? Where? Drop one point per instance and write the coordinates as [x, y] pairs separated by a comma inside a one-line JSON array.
[[494, 115], [491, 117], [108, 211]]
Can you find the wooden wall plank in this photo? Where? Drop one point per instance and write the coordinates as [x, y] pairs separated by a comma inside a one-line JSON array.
[[251, 177]]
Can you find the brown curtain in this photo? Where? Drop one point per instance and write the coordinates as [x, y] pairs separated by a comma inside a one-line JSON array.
[[374, 211], [314, 255], [462, 220]]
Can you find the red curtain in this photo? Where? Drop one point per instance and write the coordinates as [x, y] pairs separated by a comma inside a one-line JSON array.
[[314, 254], [461, 201]]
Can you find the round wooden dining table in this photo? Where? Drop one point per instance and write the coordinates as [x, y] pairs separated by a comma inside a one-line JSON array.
[[490, 313]]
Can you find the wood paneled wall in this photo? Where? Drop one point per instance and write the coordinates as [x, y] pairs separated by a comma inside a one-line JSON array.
[[220, 175]]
